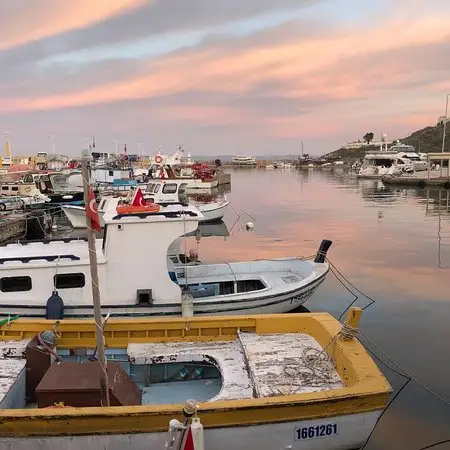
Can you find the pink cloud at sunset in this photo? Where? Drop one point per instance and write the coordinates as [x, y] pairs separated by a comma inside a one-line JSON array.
[[44, 18], [180, 70]]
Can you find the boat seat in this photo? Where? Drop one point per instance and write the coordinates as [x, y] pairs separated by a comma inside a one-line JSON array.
[[228, 357]]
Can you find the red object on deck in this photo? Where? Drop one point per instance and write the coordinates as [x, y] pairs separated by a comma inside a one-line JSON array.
[[189, 442], [138, 198], [92, 212]]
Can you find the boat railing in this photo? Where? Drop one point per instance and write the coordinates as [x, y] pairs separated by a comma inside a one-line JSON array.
[[168, 214]]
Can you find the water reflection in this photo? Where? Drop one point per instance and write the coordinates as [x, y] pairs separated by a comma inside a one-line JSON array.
[[393, 243]]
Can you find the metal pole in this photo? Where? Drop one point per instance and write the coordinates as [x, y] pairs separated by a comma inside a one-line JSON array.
[[445, 129], [104, 393], [445, 123]]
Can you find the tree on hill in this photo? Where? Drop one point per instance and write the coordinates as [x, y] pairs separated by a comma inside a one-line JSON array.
[[368, 137]]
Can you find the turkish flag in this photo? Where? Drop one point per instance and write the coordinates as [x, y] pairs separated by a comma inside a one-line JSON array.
[[92, 212], [189, 441], [138, 198]]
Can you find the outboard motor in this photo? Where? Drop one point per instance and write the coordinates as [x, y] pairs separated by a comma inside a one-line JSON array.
[[322, 252], [54, 310]]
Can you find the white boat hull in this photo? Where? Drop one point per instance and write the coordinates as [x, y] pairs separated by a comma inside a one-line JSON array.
[[196, 183], [212, 212], [260, 304], [352, 431]]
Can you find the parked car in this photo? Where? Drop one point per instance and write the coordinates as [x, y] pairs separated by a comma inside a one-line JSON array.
[[10, 204]]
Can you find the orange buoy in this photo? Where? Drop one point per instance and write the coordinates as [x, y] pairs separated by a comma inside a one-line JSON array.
[[130, 209]]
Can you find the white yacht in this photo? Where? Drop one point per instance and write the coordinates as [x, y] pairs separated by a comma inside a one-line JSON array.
[[408, 153], [244, 161], [378, 164]]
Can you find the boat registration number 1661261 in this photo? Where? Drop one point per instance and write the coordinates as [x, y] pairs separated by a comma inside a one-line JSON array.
[[317, 431]]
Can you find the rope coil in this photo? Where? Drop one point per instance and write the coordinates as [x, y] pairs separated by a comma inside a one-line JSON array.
[[348, 332]]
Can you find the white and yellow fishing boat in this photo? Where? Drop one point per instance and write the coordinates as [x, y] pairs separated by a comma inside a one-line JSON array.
[[266, 382]]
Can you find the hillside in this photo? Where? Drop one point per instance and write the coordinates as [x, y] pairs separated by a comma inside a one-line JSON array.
[[426, 140]]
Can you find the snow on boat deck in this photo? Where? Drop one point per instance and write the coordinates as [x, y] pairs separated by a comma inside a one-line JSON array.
[[253, 365]]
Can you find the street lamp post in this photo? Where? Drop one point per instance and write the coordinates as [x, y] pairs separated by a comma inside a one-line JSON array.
[[445, 122], [443, 133]]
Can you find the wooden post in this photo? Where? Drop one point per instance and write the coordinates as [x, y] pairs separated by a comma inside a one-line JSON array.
[[104, 392], [352, 320], [353, 316]]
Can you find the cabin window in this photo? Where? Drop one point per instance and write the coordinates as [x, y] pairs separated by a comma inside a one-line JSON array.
[[111, 173], [69, 280], [182, 193], [5, 188], [170, 188], [102, 204], [58, 179], [250, 285], [211, 289], [15, 284], [156, 189], [15, 188]]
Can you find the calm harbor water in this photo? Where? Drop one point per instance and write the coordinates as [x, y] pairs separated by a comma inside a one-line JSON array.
[[391, 243]]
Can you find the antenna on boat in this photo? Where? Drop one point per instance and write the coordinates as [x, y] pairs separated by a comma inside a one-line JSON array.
[[100, 339]]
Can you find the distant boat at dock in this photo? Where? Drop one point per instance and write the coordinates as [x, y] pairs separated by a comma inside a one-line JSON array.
[[244, 161]]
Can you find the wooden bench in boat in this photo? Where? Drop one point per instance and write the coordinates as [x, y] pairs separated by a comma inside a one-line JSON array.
[[252, 366]]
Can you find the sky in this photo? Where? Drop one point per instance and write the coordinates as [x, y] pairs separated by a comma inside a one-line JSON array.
[[219, 77]]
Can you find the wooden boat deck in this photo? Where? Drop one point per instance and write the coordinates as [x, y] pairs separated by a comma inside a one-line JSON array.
[[252, 366]]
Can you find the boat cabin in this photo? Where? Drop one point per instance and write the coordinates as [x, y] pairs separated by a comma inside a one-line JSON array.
[[105, 174], [31, 272], [166, 191]]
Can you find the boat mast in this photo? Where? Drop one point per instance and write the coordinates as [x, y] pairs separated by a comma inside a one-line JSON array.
[[100, 339]]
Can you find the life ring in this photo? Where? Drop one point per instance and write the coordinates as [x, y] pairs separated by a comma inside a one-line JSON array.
[[130, 209], [158, 159]]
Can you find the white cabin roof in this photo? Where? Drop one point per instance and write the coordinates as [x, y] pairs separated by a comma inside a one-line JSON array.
[[61, 252], [68, 252]]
